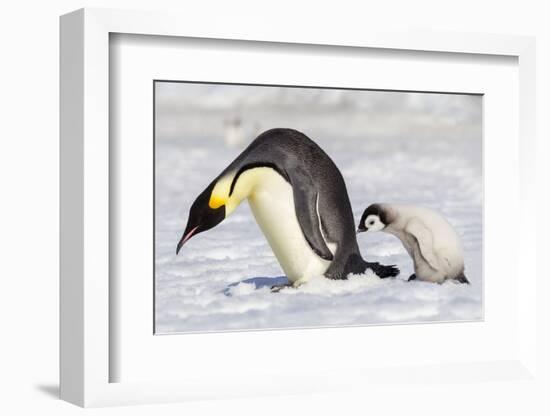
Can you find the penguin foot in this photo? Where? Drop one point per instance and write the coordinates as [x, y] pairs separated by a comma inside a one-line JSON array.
[[278, 288], [412, 277], [383, 271]]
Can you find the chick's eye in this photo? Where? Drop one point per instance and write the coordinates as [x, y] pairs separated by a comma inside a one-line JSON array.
[[371, 222]]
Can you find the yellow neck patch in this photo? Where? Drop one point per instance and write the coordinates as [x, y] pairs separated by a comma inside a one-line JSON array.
[[220, 193], [216, 201], [244, 188]]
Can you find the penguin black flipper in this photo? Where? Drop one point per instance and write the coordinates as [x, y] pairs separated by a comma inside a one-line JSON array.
[[306, 207]]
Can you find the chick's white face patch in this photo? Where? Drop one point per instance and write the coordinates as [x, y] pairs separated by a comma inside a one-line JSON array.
[[373, 223]]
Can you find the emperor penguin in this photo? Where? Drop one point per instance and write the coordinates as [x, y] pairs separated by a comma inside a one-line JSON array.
[[429, 239], [300, 202]]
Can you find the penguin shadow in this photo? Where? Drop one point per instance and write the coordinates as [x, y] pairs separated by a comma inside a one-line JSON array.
[[259, 283]]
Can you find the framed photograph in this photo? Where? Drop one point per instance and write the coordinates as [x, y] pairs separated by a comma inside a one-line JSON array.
[[419, 150], [237, 208]]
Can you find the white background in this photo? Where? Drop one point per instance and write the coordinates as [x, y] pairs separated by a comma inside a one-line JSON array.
[[29, 209]]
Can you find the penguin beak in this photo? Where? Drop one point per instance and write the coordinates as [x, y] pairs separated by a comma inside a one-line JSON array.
[[361, 230], [186, 236]]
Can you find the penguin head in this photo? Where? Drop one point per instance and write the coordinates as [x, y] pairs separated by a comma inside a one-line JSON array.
[[374, 218], [202, 216], [211, 207]]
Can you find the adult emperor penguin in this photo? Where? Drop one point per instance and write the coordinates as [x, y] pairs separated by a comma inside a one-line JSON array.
[[429, 239], [298, 198]]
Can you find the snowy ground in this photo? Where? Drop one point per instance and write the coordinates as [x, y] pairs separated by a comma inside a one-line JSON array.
[[221, 279]]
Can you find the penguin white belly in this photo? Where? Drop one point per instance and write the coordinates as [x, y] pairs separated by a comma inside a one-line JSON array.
[[272, 204]]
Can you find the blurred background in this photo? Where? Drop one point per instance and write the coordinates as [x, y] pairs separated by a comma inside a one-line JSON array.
[[400, 147]]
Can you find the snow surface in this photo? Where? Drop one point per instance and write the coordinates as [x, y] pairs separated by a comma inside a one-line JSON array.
[[390, 147]]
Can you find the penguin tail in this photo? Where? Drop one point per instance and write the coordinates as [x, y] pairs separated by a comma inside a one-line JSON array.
[[383, 271], [461, 278]]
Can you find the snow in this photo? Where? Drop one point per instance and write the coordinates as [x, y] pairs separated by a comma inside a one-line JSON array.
[[412, 148]]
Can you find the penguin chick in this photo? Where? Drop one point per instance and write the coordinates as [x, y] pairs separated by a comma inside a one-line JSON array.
[[429, 239]]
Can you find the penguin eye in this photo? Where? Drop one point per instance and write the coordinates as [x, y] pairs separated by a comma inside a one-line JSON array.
[[371, 222]]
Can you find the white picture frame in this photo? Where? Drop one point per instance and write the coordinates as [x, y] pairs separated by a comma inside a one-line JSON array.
[[86, 356]]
